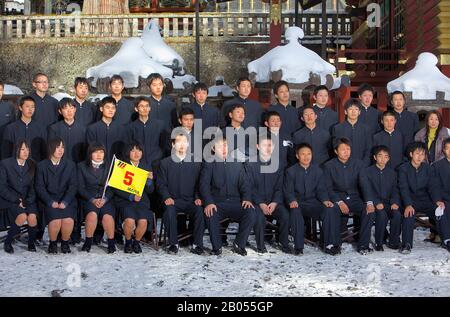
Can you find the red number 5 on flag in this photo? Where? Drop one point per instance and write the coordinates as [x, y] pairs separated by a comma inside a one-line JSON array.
[[128, 178]]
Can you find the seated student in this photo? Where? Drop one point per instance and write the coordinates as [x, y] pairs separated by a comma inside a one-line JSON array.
[[163, 107], [137, 214], [358, 133], [92, 176], [226, 193], [342, 177], [369, 116], [326, 117], [266, 181], [86, 111], [17, 194], [177, 184], [7, 112], [25, 128], [306, 194], [72, 132], [407, 121], [441, 173], [124, 107], [289, 114], [107, 131], [379, 185], [418, 191], [319, 139], [56, 187], [392, 139], [46, 111]]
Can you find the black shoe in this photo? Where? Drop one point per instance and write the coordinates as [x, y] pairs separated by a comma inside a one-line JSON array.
[[173, 249], [197, 250], [65, 248], [128, 247], [379, 248], [8, 248], [262, 250], [447, 246], [286, 250], [405, 249], [298, 251], [137, 247], [31, 247], [111, 249], [86, 247], [53, 248], [393, 246], [365, 250], [216, 252], [237, 249], [332, 251]]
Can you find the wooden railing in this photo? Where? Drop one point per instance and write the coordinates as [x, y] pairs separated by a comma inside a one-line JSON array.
[[217, 25]]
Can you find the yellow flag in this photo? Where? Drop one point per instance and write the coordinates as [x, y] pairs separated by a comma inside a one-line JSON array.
[[128, 178]]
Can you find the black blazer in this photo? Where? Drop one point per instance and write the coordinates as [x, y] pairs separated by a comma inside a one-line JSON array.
[[16, 183]]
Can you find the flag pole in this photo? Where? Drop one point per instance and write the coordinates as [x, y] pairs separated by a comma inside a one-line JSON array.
[[109, 174]]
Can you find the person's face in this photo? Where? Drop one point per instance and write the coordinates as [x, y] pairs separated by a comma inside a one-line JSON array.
[[24, 152], [68, 112], [433, 121], [81, 91], [447, 151], [265, 148], [108, 110], [417, 157], [187, 121], [244, 89], [238, 115], [343, 152], [2, 90], [41, 84], [59, 151], [143, 108], [156, 87], [274, 123], [135, 154], [221, 148], [398, 102], [382, 158], [181, 144], [283, 94], [353, 113], [116, 87], [98, 156], [322, 97], [304, 156], [389, 122], [366, 98], [28, 108], [309, 116], [200, 96]]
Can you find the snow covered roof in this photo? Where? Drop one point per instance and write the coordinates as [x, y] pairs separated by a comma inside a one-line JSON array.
[[12, 90], [423, 81]]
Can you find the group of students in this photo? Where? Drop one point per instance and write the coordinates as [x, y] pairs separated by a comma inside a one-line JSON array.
[[376, 167]]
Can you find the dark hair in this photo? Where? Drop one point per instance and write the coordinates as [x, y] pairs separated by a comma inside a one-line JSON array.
[[130, 147], [365, 87], [114, 78], [444, 143], [234, 107], [352, 102], [106, 100], [179, 134], [24, 99], [417, 146], [66, 102], [388, 113], [186, 111], [380, 148], [270, 114], [319, 88], [2, 84], [93, 148], [300, 146], [397, 92], [154, 76], [278, 85], [31, 163], [307, 107], [37, 75], [339, 141], [139, 99], [200, 86], [242, 79], [427, 117], [53, 144], [81, 80]]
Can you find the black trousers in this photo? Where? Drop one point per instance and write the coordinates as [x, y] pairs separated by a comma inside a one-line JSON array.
[[281, 215], [408, 223]]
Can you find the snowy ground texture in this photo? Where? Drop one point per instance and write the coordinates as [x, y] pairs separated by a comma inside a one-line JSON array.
[[424, 272]]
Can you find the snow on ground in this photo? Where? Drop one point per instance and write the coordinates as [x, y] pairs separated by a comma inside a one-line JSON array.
[[424, 272]]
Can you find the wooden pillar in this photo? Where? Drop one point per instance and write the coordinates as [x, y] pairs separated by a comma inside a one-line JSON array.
[[445, 69], [27, 7], [276, 23], [48, 7]]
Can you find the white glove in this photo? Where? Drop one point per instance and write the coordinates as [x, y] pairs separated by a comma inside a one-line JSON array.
[[439, 211]]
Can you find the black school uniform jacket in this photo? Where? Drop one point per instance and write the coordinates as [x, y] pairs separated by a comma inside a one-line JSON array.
[[16, 183]]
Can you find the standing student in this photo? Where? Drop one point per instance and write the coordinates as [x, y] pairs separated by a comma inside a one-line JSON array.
[[92, 177], [46, 106], [407, 121], [124, 107], [17, 194], [56, 187], [326, 117], [86, 110], [177, 184], [369, 116], [25, 128], [186, 119], [163, 107], [7, 112], [210, 116]]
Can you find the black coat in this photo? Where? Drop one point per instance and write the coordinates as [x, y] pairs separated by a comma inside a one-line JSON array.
[[441, 173], [266, 187], [360, 137], [253, 111], [209, 115], [46, 109], [343, 179], [91, 182], [379, 186], [302, 184], [326, 118], [74, 137], [110, 136], [417, 184], [320, 141], [289, 115], [86, 112], [166, 111], [394, 141]]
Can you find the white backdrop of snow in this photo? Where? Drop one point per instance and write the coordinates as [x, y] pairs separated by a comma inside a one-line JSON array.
[[424, 80], [12, 90], [295, 61]]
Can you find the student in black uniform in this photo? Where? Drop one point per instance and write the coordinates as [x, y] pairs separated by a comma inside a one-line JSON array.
[[107, 131], [419, 192], [226, 193], [163, 107], [253, 109], [289, 114], [137, 214], [56, 187], [342, 176], [177, 184], [441, 173], [124, 107], [282, 142], [379, 186], [86, 110], [392, 138], [306, 194], [186, 119], [7, 112], [326, 117], [17, 194], [209, 115], [266, 181], [46, 106], [319, 139], [72, 132], [358, 133], [25, 128], [369, 116], [407, 121], [97, 204]]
